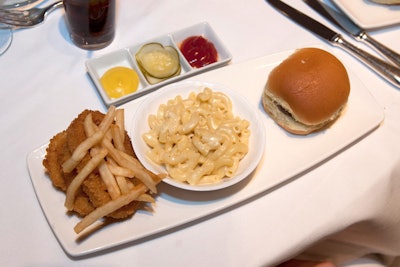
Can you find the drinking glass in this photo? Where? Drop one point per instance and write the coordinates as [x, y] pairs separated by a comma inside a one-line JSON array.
[[91, 23]]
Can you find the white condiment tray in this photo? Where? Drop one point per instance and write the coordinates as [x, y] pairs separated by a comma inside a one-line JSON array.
[[126, 58]]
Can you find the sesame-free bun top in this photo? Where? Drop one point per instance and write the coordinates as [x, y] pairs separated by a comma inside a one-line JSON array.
[[312, 84]]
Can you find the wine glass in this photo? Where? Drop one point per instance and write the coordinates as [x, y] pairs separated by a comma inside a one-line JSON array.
[[6, 33], [6, 37]]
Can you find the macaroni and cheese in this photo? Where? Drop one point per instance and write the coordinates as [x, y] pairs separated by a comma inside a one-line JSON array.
[[198, 139]]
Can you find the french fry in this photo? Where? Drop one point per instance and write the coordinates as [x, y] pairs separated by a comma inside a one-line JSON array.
[[108, 119], [88, 125], [121, 171], [118, 169], [131, 163], [125, 178], [109, 180], [129, 183], [120, 121], [121, 175], [135, 162], [77, 181], [122, 183], [105, 174], [109, 207], [81, 151], [155, 178], [146, 198], [117, 138], [107, 136]]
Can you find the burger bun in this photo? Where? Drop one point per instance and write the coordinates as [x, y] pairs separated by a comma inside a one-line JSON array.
[[307, 91]]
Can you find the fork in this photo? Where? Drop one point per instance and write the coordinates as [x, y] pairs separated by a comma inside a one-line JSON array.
[[27, 18]]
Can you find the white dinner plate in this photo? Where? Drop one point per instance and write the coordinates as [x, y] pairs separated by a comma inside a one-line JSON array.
[[18, 3], [369, 15], [240, 108], [285, 157]]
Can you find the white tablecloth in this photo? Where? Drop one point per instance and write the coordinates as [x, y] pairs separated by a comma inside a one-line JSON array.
[[350, 202]]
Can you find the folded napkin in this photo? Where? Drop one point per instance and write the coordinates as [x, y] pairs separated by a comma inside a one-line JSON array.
[[360, 243]]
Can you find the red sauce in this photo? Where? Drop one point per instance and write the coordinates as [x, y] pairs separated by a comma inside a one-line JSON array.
[[199, 51]]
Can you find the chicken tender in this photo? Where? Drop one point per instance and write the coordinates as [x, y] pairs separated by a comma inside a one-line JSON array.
[[93, 192]]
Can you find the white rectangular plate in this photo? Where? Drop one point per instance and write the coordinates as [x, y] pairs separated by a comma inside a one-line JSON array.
[[285, 156], [370, 15]]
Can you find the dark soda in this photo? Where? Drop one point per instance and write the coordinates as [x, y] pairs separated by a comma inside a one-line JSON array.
[[91, 23]]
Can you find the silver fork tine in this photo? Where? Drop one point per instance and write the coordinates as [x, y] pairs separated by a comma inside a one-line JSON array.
[[13, 15], [12, 18], [27, 18], [15, 12], [15, 23], [19, 23], [11, 12], [17, 20]]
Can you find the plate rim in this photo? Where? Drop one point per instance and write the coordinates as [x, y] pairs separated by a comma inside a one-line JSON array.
[[366, 24]]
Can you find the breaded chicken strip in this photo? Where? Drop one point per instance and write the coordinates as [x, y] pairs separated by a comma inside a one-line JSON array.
[[93, 192]]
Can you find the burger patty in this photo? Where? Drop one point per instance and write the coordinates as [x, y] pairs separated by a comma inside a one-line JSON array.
[[282, 109]]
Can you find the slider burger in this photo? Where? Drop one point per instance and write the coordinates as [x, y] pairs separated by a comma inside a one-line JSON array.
[[307, 91]]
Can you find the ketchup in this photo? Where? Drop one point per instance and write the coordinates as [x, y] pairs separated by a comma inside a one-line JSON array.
[[199, 51]]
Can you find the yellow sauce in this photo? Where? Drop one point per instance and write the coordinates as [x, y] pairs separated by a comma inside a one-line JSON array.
[[120, 81]]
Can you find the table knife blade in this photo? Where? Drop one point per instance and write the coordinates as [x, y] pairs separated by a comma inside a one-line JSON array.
[[344, 22], [387, 71]]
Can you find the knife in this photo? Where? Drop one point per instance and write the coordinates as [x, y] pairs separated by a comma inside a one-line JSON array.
[[341, 20], [387, 71]]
